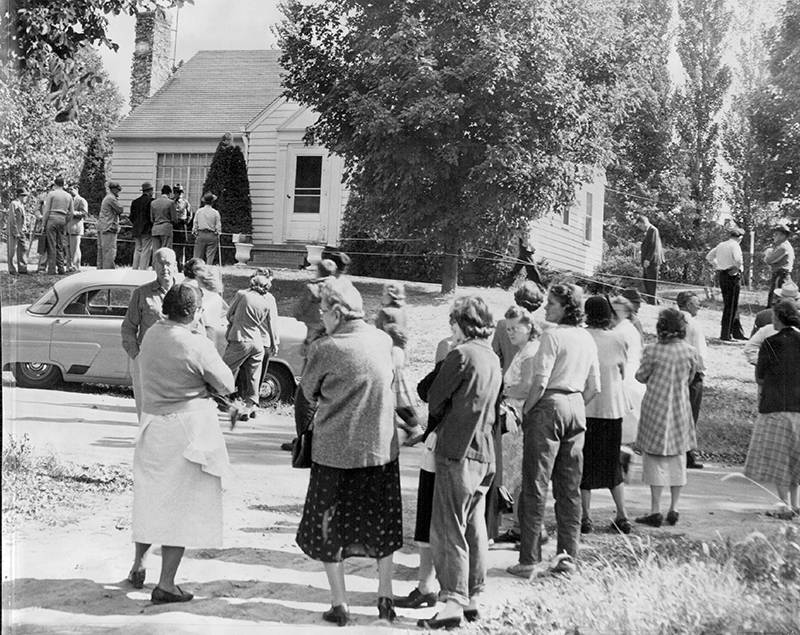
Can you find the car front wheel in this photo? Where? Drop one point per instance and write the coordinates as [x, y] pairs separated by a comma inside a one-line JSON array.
[[278, 385], [37, 375]]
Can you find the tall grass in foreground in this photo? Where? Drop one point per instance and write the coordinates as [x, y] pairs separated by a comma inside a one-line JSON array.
[[750, 586]]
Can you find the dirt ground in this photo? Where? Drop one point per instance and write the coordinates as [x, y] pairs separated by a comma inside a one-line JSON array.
[[71, 578]]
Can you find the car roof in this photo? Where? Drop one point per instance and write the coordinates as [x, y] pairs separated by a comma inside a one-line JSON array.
[[125, 277]]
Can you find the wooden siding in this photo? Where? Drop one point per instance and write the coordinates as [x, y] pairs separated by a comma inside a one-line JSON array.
[[565, 246]]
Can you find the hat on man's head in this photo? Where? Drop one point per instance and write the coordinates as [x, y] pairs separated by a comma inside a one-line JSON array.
[[178, 188], [632, 295], [782, 227], [147, 185], [113, 185], [788, 291], [209, 197], [21, 191], [735, 231]]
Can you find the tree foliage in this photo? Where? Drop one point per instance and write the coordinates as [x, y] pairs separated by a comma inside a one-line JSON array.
[[458, 122], [44, 37], [227, 178], [702, 38]]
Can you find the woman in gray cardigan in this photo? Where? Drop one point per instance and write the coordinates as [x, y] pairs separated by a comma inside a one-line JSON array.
[[353, 505]]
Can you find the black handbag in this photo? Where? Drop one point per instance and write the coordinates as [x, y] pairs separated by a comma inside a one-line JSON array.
[[505, 500], [301, 449]]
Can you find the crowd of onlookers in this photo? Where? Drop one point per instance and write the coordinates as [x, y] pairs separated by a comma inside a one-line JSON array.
[[547, 394]]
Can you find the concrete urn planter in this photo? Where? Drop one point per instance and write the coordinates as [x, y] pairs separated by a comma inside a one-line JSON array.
[[314, 254], [242, 251]]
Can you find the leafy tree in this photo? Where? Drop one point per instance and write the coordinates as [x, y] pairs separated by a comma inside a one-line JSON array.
[[457, 123], [44, 37], [227, 178], [704, 27], [643, 176]]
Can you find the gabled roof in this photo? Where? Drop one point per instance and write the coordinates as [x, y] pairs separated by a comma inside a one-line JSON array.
[[213, 93]]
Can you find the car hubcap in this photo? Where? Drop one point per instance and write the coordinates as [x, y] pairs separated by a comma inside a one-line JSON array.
[[35, 370], [270, 390]]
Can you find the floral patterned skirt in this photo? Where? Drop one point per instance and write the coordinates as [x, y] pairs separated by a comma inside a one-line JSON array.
[[352, 512]]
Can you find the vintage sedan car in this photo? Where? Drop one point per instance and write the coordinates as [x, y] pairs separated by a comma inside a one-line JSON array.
[[72, 334]]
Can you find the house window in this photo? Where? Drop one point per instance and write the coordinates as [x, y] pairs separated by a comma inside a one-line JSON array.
[[588, 226], [308, 185], [565, 215], [190, 170]]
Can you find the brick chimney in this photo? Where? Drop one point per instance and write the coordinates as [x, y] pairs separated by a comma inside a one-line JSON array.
[[152, 64]]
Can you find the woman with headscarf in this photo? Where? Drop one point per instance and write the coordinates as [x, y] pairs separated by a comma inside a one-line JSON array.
[[774, 453], [180, 453], [353, 506]]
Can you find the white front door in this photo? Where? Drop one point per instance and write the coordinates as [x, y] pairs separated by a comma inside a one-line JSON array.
[[307, 197]]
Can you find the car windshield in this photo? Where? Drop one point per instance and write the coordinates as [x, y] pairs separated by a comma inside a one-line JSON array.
[[43, 305]]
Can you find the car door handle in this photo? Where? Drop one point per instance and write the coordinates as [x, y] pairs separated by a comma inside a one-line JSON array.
[[60, 321]]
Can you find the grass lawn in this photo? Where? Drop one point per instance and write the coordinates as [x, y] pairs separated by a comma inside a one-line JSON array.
[[729, 406]]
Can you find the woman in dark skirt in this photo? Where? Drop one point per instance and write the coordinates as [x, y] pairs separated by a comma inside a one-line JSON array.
[[601, 465], [353, 505]]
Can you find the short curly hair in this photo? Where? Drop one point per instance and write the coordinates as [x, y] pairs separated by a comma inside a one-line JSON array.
[[260, 284], [181, 301], [671, 325], [524, 316], [786, 313], [473, 317], [529, 296], [396, 291], [570, 297], [192, 266], [340, 296]]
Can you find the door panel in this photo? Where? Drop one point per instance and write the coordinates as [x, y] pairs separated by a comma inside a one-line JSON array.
[[306, 207]]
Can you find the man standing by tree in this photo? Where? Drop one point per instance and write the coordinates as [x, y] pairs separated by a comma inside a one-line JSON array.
[[58, 209], [75, 228], [141, 226], [727, 258], [652, 258], [17, 244], [108, 227], [163, 215], [780, 258]]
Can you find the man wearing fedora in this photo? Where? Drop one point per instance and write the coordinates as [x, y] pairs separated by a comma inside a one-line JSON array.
[[17, 243], [652, 257], [780, 258], [207, 227], [727, 258], [787, 291], [180, 234], [141, 228], [108, 227]]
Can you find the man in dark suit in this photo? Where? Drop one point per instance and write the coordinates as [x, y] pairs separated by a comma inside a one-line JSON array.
[[141, 227], [652, 258]]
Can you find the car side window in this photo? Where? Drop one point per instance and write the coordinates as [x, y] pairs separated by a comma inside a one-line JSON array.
[[104, 302]]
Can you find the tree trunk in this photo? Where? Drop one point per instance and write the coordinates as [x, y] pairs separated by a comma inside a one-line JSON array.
[[450, 267]]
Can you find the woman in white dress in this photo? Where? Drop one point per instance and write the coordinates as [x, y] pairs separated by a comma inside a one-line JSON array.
[[180, 456]]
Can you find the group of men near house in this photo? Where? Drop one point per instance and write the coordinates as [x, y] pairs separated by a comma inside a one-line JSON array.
[[166, 221]]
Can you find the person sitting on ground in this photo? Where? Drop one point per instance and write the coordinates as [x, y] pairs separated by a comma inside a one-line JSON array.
[[774, 452], [247, 313], [566, 376], [180, 454], [392, 319], [353, 507], [666, 427], [601, 465]]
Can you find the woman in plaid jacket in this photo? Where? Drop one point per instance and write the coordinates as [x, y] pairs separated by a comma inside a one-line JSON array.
[[666, 429]]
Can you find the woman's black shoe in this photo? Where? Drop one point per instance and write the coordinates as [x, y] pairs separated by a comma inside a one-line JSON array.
[[415, 599], [435, 623], [160, 596], [471, 615], [337, 614], [386, 609]]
